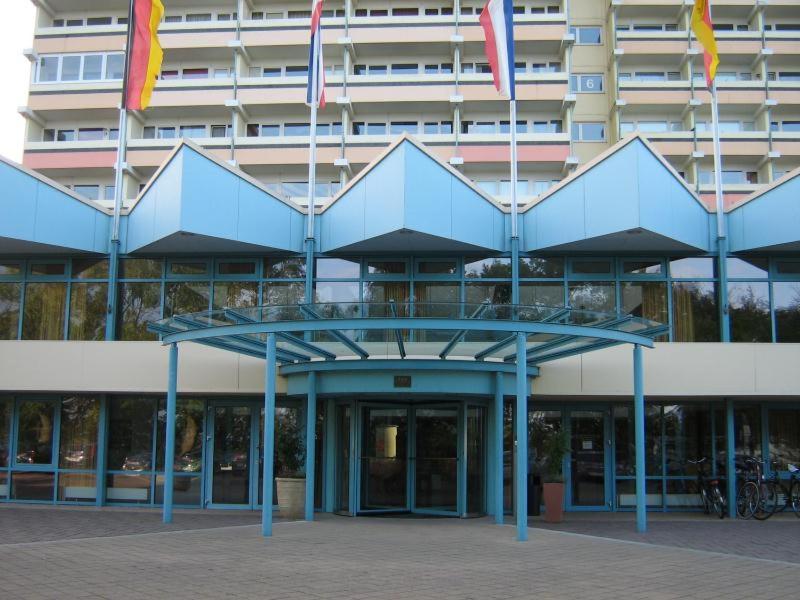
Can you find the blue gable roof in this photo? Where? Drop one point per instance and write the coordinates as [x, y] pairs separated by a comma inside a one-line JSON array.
[[628, 199], [407, 200], [196, 203], [38, 215], [768, 220]]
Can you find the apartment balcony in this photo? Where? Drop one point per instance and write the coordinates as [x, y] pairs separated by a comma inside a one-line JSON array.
[[680, 145], [743, 94], [783, 43], [746, 44], [787, 143]]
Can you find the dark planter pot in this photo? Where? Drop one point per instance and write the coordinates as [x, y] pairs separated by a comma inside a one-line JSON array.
[[553, 502]]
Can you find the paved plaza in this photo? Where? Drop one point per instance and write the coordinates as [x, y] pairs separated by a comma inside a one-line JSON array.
[[108, 553]]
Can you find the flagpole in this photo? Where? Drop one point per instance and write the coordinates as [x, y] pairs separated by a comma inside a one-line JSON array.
[[514, 224], [312, 174], [722, 237], [122, 142]]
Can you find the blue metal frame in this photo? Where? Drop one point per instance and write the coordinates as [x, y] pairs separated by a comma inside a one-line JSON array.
[[270, 376]]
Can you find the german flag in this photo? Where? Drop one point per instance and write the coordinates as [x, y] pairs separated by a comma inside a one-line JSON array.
[[704, 30], [144, 53]]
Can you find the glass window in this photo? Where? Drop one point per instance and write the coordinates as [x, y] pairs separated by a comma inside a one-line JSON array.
[[337, 291], [641, 267], [138, 304], [786, 298], [87, 311], [140, 268], [625, 444], [541, 267], [386, 267], [645, 299], [589, 132], [283, 294], [687, 436], [287, 268], [337, 268], [10, 268], [188, 268], [488, 268], [749, 312], [91, 268], [747, 432], [114, 66], [78, 438], [296, 129], [437, 267], [586, 83], [90, 192], [496, 293], [787, 267], [48, 68], [695, 317], [92, 67], [586, 35], [47, 269], [44, 312], [9, 310], [235, 294], [35, 422], [130, 434], [186, 297], [400, 127], [33, 486], [593, 296], [193, 131], [592, 267], [692, 267], [784, 438], [405, 69], [546, 293], [188, 435], [5, 430], [70, 68]]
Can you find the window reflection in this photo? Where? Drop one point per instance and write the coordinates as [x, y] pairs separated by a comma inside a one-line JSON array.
[[784, 438], [5, 429], [138, 304], [694, 312], [45, 309], [687, 436], [186, 297], [786, 297], [130, 434], [9, 310], [35, 432], [235, 294], [78, 435], [748, 303], [87, 311], [188, 435]]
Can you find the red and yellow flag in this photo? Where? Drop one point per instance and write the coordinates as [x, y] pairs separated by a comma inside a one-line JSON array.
[[704, 30], [145, 54]]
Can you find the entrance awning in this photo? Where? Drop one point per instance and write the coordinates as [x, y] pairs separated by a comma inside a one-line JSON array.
[[309, 333]]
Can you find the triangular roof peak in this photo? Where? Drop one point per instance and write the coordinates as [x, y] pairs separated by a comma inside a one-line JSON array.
[[54, 184], [406, 137], [600, 158], [186, 143], [786, 178]]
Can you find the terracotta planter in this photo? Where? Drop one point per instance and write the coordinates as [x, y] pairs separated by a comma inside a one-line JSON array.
[[291, 497], [553, 494]]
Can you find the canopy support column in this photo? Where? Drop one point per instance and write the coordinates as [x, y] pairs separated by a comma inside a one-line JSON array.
[[169, 444], [269, 435], [330, 450], [638, 410], [521, 466], [730, 457], [311, 431], [498, 449]]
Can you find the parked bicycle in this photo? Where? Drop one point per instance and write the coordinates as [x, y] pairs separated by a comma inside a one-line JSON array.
[[758, 494], [708, 488], [787, 495]]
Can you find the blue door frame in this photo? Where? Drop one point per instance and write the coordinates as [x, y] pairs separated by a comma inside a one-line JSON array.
[[608, 459]]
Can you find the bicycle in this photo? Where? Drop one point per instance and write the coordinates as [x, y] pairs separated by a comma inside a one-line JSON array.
[[766, 499], [708, 488], [790, 492]]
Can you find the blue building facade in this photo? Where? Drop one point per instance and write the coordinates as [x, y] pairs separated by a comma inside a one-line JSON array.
[[430, 419]]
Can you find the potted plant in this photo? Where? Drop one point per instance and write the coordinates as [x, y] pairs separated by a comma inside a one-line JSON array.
[[555, 448], [290, 479]]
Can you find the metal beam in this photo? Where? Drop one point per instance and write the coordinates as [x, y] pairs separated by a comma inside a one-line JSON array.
[[286, 337], [521, 461], [497, 458], [460, 334], [604, 324], [730, 457], [311, 435], [336, 333], [639, 442], [598, 345], [269, 435], [512, 338], [398, 335], [169, 445]]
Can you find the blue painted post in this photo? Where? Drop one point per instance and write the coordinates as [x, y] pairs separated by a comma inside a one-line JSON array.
[[730, 457], [514, 269], [724, 312], [521, 466], [102, 444], [169, 445], [113, 278], [330, 454], [311, 431], [269, 435], [638, 417], [498, 449]]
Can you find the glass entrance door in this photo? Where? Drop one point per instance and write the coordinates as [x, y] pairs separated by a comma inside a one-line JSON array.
[[384, 459], [588, 459], [435, 462], [231, 455]]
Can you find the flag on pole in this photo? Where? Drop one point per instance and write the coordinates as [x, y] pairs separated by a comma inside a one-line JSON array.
[[316, 71], [144, 54], [704, 30], [497, 20]]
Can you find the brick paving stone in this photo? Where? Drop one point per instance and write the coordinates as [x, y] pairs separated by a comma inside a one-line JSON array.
[[124, 554]]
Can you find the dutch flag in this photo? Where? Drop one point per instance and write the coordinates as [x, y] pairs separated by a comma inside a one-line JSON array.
[[316, 69], [497, 20]]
